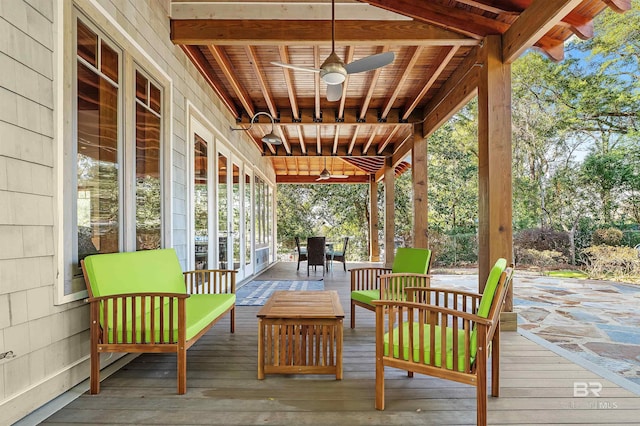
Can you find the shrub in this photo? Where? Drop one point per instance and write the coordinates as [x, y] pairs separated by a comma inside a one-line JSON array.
[[619, 263], [542, 259], [541, 240], [607, 237]]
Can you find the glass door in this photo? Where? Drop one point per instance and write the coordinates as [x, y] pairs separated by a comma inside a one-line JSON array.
[[201, 194], [248, 223], [223, 230], [236, 218]]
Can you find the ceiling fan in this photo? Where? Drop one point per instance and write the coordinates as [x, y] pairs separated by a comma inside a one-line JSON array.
[[324, 174], [333, 71]]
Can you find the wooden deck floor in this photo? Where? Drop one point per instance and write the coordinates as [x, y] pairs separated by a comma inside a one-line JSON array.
[[537, 386]]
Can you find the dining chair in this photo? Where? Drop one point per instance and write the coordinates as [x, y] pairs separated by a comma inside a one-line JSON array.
[[316, 253], [301, 251], [339, 255]]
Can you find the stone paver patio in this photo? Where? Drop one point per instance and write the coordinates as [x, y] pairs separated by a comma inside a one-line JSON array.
[[596, 321]]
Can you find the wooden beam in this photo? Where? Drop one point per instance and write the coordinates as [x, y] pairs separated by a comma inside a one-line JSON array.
[[462, 21], [420, 179], [618, 6], [366, 146], [336, 139], [372, 86], [354, 138], [324, 150], [303, 146], [285, 142], [228, 70], [454, 93], [316, 81], [348, 58], [257, 70], [439, 64], [578, 24], [500, 7], [382, 145], [416, 51], [300, 179], [350, 117], [374, 245], [401, 152], [389, 213], [284, 57], [265, 32], [201, 63], [495, 232], [532, 24]]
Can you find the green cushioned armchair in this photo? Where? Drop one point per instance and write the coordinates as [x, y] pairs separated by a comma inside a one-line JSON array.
[[444, 333], [366, 282]]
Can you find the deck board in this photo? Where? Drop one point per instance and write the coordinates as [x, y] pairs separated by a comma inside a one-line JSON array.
[[222, 387]]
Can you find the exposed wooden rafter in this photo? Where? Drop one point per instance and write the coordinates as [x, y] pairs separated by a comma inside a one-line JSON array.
[[438, 47], [225, 65], [297, 33]]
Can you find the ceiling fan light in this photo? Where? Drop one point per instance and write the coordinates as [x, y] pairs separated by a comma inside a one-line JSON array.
[[272, 139], [333, 78]]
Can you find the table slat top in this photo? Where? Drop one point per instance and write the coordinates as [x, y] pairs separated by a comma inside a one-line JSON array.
[[303, 304]]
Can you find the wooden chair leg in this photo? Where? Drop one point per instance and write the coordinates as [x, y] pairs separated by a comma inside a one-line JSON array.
[[182, 371], [353, 314], [481, 389], [495, 363], [95, 371]]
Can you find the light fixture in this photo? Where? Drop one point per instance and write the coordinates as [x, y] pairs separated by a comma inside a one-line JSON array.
[[270, 138]]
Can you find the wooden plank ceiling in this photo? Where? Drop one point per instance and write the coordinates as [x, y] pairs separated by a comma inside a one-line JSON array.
[[233, 44]]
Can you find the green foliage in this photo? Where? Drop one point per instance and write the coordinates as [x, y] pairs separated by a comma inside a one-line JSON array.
[[607, 237], [333, 211], [453, 175]]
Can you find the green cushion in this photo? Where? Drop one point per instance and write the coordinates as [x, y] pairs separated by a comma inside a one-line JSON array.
[[135, 272], [490, 287], [365, 296], [201, 310], [411, 260], [487, 297], [427, 348]]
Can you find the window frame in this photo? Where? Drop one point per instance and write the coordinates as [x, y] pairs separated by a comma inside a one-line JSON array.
[[131, 58]]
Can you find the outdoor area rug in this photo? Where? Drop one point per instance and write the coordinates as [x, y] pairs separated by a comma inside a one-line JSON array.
[[256, 293]]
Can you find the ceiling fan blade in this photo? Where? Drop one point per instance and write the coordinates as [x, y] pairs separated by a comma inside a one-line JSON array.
[[334, 92], [296, 67], [370, 62], [339, 176]]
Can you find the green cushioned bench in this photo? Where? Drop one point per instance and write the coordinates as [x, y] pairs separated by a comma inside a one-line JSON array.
[[143, 302]]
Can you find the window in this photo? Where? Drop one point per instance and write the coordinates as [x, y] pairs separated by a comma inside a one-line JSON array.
[[115, 202], [148, 188], [98, 190]]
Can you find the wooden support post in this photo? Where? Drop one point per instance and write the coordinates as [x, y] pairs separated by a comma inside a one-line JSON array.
[[374, 246], [495, 232], [389, 213], [420, 178]]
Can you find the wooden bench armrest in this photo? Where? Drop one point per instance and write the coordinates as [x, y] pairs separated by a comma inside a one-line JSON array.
[[445, 291], [385, 305]]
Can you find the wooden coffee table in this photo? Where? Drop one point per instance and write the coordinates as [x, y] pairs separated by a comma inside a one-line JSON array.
[[300, 332]]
